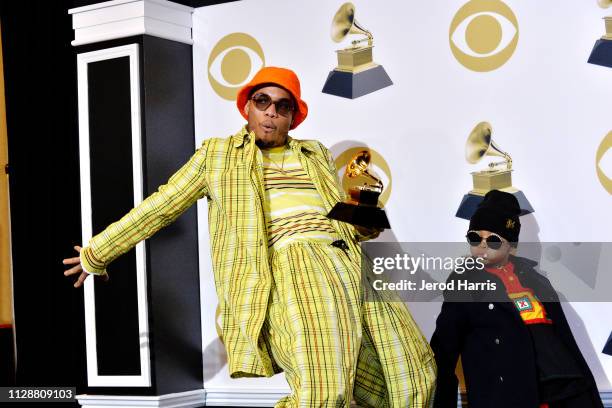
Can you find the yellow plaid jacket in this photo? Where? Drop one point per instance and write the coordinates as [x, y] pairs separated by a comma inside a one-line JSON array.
[[229, 173]]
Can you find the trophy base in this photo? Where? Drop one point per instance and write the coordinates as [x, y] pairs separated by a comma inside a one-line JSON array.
[[364, 216], [470, 202], [355, 59], [602, 53], [353, 85], [486, 180]]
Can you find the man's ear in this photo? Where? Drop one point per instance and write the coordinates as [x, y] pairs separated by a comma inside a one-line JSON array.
[[247, 106]]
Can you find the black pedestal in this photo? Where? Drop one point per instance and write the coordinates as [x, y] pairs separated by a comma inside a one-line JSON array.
[[608, 347], [365, 216], [349, 85], [602, 53], [470, 202], [164, 101]]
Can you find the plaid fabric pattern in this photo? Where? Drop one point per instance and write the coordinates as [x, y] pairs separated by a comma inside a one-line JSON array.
[[332, 345], [394, 356], [314, 326], [229, 173]]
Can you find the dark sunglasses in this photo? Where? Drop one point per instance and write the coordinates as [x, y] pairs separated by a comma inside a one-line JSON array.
[[493, 241], [263, 101]]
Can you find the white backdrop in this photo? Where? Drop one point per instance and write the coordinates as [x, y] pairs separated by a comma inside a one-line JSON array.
[[549, 109]]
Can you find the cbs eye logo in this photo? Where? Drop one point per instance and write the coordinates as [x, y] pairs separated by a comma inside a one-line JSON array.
[[378, 164], [233, 62], [603, 163], [483, 35]]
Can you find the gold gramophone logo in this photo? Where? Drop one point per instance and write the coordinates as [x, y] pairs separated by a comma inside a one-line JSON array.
[[483, 34], [606, 4], [498, 174], [367, 190], [602, 50], [377, 161], [356, 74], [603, 162], [232, 63]]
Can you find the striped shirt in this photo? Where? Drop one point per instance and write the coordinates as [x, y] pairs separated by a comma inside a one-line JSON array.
[[293, 209]]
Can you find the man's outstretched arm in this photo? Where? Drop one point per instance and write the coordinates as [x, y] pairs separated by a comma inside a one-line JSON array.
[[158, 210]]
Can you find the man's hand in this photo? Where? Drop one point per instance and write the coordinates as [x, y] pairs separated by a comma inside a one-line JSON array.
[[78, 269]]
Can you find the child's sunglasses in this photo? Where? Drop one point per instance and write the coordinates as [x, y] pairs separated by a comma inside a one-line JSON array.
[[493, 241], [263, 101]]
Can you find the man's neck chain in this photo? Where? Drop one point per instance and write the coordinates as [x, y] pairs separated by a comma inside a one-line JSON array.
[[280, 168]]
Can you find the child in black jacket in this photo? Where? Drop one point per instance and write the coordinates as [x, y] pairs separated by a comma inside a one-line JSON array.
[[517, 349]]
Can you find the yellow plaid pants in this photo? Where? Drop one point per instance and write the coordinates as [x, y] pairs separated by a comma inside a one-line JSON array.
[[332, 346]]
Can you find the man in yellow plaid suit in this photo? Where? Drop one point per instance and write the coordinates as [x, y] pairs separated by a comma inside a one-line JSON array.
[[287, 277]]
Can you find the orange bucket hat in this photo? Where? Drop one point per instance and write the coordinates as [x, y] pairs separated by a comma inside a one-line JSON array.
[[283, 77]]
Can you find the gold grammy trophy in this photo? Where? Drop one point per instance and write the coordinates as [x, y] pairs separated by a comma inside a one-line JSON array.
[[362, 206], [356, 74], [479, 145], [602, 51], [498, 175], [606, 4]]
